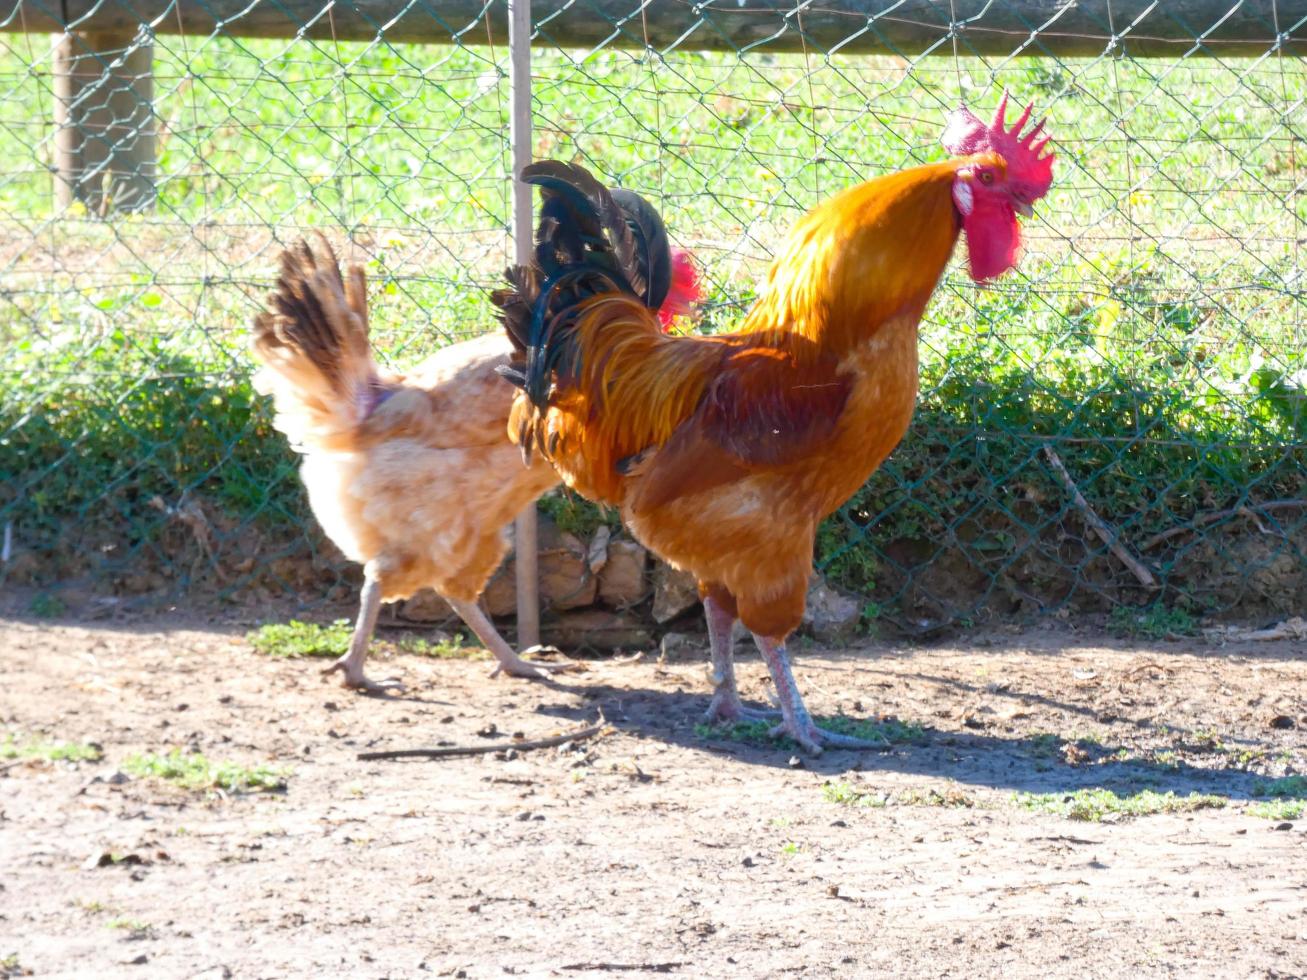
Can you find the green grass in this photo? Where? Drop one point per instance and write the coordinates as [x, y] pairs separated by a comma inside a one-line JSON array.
[[297, 639], [192, 770], [758, 732], [1283, 788], [1155, 622], [10, 748], [1287, 798], [46, 606], [1094, 804], [1278, 809], [1152, 336]]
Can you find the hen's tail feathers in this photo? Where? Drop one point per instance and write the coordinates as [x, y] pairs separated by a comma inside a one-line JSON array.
[[313, 343], [589, 241]]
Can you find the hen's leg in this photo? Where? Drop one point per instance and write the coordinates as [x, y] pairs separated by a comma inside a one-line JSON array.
[[797, 723], [351, 664], [509, 662], [725, 705]]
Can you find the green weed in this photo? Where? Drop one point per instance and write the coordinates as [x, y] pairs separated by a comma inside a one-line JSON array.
[[296, 639], [1155, 623], [47, 606], [50, 751], [1094, 804], [759, 732], [194, 771]]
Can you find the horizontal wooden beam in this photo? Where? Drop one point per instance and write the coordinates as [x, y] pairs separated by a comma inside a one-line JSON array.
[[994, 28]]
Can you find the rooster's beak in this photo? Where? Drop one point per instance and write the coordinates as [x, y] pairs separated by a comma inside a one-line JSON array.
[[1024, 209]]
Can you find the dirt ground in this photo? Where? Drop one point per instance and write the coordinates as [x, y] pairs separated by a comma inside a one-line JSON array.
[[654, 848]]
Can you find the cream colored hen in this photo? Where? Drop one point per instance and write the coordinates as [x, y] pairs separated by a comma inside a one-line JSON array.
[[410, 474]]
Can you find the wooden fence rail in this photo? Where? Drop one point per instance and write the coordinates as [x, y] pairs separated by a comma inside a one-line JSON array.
[[995, 28]]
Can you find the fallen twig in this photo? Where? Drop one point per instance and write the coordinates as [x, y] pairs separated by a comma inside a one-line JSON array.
[[1132, 672], [448, 751], [614, 967], [1104, 531], [1202, 520]]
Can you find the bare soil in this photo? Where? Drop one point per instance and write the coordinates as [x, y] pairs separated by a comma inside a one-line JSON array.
[[654, 848]]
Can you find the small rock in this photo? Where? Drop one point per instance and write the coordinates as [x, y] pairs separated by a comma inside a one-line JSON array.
[[747, 862], [682, 646], [598, 629], [795, 762], [1282, 721], [1286, 825], [829, 615], [624, 580], [425, 607], [674, 592], [488, 731]]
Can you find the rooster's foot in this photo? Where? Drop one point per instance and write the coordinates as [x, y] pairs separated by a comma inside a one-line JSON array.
[[356, 680], [813, 738], [727, 708]]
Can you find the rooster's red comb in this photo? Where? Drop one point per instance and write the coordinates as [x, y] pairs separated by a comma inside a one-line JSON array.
[[1027, 156]]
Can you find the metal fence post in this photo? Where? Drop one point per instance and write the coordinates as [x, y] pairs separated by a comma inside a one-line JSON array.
[[525, 528]]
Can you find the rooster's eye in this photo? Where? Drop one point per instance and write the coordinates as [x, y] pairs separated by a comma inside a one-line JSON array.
[[986, 177]]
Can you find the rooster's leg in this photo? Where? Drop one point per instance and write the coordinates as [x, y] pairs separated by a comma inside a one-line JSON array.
[[726, 705], [351, 664], [509, 662], [797, 723]]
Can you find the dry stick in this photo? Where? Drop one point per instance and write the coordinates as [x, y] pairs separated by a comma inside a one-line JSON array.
[[1202, 520], [448, 751], [1105, 532]]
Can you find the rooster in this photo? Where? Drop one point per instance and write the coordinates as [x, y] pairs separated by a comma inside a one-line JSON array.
[[410, 474], [724, 452]]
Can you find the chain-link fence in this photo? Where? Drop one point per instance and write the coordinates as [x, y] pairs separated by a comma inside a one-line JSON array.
[[1120, 423]]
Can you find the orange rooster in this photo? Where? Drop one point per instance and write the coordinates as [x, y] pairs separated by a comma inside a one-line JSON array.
[[411, 474], [725, 452]]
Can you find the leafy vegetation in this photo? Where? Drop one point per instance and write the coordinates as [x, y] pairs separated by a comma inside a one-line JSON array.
[[11, 748], [297, 639], [1155, 623], [1096, 804], [891, 731], [1152, 337], [192, 770], [1287, 798]]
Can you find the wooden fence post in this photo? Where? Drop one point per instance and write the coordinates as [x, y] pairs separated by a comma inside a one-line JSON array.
[[525, 537], [104, 121]]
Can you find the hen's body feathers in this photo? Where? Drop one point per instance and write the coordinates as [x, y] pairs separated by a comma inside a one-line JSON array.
[[409, 474]]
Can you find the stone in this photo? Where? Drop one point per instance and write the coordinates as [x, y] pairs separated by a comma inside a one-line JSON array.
[[624, 580], [565, 578], [597, 629], [830, 615], [566, 581], [674, 592], [425, 607]]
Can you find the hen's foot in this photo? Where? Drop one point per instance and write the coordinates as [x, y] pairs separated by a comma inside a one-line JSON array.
[[517, 666], [356, 680], [813, 738]]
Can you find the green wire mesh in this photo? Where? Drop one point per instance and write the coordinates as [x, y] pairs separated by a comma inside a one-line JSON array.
[[1121, 422]]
